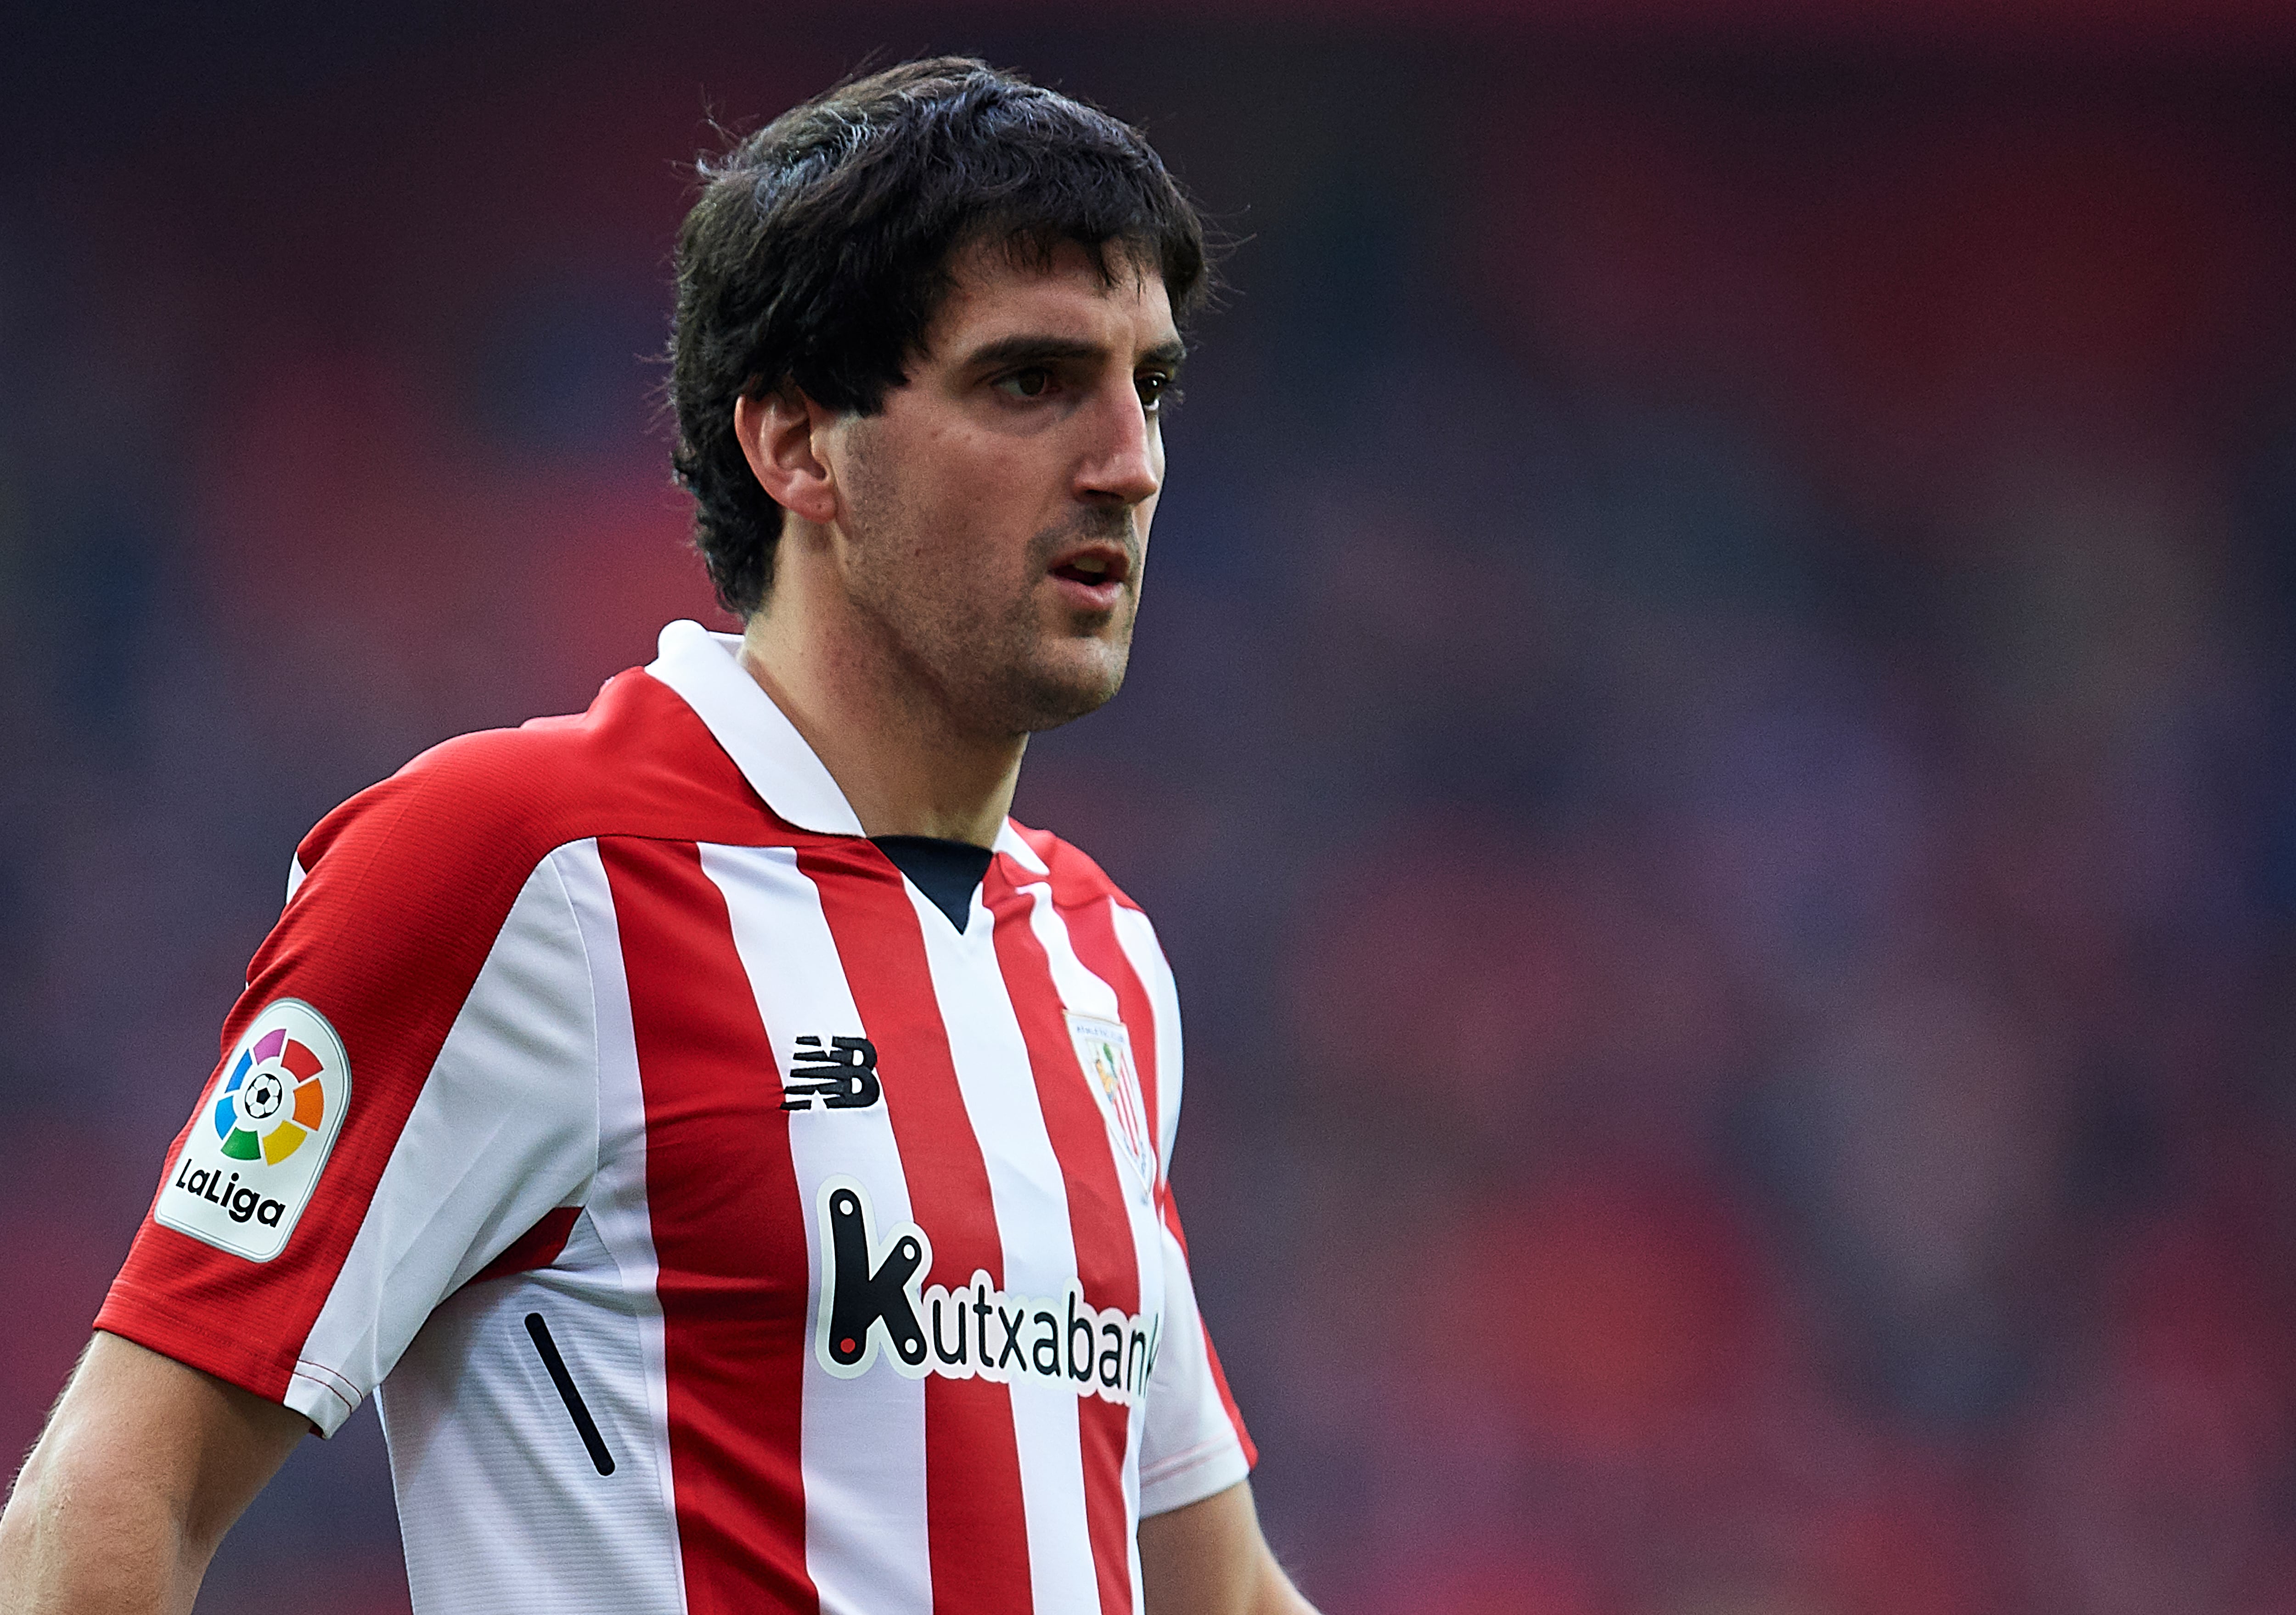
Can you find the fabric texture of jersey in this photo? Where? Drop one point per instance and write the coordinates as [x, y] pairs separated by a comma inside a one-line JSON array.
[[725, 1229]]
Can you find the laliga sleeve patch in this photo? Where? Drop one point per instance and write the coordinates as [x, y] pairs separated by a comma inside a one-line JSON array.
[[256, 1148]]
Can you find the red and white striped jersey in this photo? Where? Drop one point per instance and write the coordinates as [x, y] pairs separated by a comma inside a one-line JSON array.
[[725, 1229]]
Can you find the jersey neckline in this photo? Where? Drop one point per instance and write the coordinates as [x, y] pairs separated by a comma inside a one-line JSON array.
[[703, 667]]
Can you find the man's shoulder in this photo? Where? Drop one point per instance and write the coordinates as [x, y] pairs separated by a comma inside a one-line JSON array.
[[1077, 879], [638, 762]]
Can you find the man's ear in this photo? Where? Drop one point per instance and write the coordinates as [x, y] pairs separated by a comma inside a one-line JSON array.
[[780, 437]]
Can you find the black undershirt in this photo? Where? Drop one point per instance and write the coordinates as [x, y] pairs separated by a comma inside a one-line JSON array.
[[947, 872]]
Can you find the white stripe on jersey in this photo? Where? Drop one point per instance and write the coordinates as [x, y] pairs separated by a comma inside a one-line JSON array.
[[1031, 1204], [863, 1452], [1079, 989], [505, 1128], [617, 1209], [502, 1504]]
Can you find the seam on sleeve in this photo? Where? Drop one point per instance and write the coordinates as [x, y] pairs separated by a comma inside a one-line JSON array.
[[333, 1381], [1179, 1463], [332, 1388], [1211, 1472]]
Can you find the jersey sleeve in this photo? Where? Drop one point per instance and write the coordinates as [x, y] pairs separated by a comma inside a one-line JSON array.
[[408, 1083], [1194, 1443]]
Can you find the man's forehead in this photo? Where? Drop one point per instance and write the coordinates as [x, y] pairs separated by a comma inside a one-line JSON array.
[[998, 288]]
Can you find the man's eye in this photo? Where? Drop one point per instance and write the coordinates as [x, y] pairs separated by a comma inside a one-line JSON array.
[[1154, 388], [1030, 383]]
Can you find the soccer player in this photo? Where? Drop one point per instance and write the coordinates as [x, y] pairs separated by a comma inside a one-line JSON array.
[[735, 1151]]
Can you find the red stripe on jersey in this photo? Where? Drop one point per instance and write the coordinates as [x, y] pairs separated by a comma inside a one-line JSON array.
[[721, 1193], [1107, 1262], [537, 1246], [977, 1530]]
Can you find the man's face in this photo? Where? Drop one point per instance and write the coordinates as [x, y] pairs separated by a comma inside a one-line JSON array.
[[994, 516]]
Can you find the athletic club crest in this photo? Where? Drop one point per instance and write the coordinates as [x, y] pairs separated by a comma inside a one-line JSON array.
[[1104, 1049]]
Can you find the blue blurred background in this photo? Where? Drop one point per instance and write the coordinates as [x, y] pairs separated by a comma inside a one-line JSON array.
[[1713, 737]]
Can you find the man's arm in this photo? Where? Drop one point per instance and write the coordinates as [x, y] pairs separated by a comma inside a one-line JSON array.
[[143, 1466], [1208, 1558]]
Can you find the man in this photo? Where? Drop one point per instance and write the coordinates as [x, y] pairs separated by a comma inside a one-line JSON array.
[[742, 1149]]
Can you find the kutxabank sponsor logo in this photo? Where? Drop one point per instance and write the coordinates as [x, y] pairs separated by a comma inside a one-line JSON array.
[[872, 1306], [254, 1152]]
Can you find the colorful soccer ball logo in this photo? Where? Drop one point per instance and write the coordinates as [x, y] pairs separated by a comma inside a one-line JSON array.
[[272, 1101]]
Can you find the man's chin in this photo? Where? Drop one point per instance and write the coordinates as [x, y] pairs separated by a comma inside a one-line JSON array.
[[1069, 686]]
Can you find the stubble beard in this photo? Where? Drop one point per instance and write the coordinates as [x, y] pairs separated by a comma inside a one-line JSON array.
[[982, 660]]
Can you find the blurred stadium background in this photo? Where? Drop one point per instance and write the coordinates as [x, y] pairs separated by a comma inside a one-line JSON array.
[[1714, 738]]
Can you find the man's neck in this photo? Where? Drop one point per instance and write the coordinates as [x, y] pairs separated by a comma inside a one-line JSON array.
[[903, 767]]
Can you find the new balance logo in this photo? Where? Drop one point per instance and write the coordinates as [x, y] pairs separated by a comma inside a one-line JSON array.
[[843, 1076], [873, 1306]]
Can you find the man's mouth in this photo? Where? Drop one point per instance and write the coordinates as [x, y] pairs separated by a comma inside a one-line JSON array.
[[1094, 566]]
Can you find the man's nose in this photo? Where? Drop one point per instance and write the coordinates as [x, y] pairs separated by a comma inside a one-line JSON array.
[[1124, 464]]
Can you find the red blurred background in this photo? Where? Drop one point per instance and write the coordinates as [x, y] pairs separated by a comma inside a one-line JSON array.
[[1711, 738]]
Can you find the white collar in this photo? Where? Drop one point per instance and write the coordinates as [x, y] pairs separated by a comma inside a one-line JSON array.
[[704, 670], [755, 732]]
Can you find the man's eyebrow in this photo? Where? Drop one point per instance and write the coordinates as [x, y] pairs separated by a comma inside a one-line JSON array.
[[1054, 350]]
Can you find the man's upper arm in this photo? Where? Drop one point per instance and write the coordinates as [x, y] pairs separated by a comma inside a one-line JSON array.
[[1208, 1558], [143, 1466]]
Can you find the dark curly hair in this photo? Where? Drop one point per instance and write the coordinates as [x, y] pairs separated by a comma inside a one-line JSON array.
[[820, 248]]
